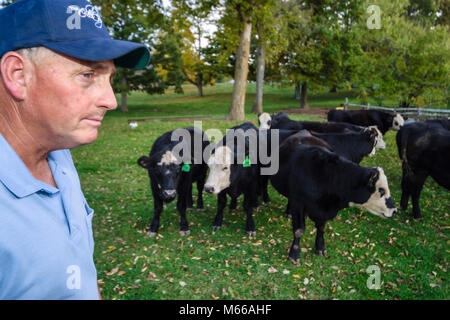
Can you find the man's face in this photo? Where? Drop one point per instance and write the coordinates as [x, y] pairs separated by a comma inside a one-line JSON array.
[[67, 99]]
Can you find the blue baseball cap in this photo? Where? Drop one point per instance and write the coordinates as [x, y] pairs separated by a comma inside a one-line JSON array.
[[70, 27]]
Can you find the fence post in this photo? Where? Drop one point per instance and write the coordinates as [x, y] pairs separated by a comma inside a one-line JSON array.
[[346, 103]]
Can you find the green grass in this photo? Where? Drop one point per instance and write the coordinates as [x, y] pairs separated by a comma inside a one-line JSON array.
[[412, 256]]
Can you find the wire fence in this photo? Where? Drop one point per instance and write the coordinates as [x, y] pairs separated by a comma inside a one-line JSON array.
[[417, 113]]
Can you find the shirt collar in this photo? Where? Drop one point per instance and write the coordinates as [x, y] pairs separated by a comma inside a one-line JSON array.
[[16, 176]]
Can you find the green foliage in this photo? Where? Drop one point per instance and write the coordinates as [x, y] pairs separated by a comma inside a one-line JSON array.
[[403, 59], [134, 20]]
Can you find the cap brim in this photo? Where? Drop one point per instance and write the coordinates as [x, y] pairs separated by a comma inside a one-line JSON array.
[[125, 54]]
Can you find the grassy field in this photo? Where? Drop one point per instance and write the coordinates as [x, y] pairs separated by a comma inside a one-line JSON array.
[[412, 256]]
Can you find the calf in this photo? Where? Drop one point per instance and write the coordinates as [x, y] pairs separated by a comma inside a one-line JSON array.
[[169, 176], [383, 120], [230, 174], [318, 183], [424, 148]]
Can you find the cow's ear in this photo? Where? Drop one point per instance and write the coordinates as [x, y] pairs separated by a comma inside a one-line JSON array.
[[259, 113], [373, 178], [144, 162]]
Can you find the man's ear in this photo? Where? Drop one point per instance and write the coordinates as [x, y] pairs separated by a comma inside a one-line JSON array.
[[12, 68]]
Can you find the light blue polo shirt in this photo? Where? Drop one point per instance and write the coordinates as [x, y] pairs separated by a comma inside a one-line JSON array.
[[46, 240]]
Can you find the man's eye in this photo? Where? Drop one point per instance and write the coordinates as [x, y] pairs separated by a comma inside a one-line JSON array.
[[88, 75]]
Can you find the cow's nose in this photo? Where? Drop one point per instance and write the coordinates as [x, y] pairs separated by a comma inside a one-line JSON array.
[[169, 193], [209, 189], [394, 212]]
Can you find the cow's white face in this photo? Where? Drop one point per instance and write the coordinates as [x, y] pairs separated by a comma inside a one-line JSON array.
[[397, 122], [380, 202], [380, 144], [219, 165], [264, 121]]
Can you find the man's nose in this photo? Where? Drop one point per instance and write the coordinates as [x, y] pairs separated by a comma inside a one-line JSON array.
[[108, 99]]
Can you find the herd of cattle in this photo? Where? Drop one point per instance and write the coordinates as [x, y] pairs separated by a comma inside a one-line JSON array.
[[318, 170]]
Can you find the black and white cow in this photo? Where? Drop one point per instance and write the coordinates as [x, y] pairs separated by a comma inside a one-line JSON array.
[[318, 183], [352, 145], [424, 148], [170, 177], [231, 172], [282, 121], [383, 120]]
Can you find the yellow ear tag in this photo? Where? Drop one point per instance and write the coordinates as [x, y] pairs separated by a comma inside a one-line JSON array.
[[186, 167]]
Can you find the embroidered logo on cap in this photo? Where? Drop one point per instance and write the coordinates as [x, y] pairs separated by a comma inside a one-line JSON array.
[[74, 21]]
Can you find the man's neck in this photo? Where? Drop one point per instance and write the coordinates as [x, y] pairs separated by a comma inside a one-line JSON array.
[[30, 151]]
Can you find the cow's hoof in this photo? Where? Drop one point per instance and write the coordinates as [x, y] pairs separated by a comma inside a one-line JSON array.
[[418, 218], [189, 208], [215, 228], [151, 234], [295, 261], [185, 232], [288, 216], [251, 233], [322, 253], [200, 209]]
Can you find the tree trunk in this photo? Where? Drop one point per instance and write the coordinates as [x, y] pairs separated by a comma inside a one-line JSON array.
[[261, 65], [333, 88], [297, 91], [237, 108], [200, 84], [303, 96], [124, 104]]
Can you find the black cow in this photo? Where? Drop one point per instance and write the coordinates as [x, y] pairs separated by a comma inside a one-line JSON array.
[[318, 183], [383, 120], [170, 176], [282, 121], [233, 173], [424, 148]]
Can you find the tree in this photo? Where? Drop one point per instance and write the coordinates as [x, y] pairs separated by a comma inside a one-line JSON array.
[[268, 40], [403, 60], [240, 11], [189, 18], [138, 21]]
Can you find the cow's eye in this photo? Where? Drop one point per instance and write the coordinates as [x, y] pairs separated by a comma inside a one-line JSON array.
[[381, 191], [225, 168], [396, 123]]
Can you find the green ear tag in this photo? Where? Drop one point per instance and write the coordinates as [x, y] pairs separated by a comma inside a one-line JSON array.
[[247, 162], [186, 167]]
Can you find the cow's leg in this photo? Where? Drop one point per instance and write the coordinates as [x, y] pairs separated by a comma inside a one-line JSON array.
[[183, 196], [416, 189], [233, 204], [200, 186], [320, 243], [221, 203], [249, 200], [298, 228], [158, 208], [405, 190], [288, 213], [265, 194], [189, 200]]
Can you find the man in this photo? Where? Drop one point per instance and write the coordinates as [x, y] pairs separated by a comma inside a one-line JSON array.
[[56, 66]]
